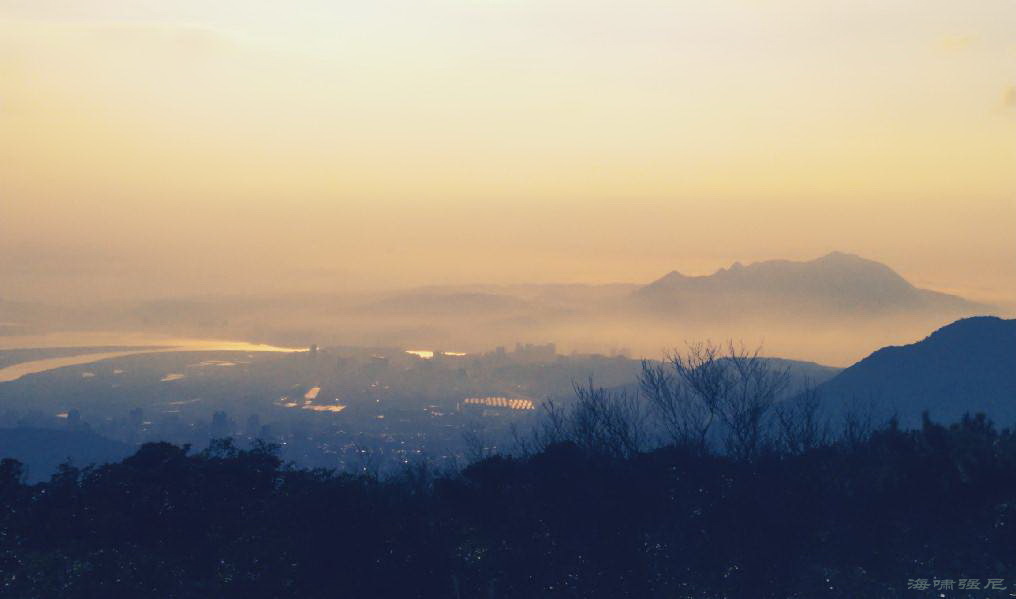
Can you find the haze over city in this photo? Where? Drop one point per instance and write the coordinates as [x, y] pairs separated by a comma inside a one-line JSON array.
[[512, 299]]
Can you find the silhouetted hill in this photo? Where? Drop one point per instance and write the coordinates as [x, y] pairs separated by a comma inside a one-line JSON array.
[[835, 284], [804, 374], [42, 450], [967, 366]]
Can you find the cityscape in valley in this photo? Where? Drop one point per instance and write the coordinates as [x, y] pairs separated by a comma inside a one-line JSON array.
[[257, 433], [513, 299], [343, 408], [354, 408]]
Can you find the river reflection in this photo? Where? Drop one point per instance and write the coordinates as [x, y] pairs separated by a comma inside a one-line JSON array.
[[138, 344]]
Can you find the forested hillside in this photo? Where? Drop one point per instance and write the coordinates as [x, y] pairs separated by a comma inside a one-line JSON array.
[[854, 518]]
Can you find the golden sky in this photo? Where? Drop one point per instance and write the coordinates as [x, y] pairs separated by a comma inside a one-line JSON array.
[[151, 147]]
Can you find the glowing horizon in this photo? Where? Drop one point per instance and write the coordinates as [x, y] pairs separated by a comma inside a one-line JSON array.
[[152, 149]]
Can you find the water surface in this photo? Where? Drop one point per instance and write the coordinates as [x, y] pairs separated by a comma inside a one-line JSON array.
[[136, 343]]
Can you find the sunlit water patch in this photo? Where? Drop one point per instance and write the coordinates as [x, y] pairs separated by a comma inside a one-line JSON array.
[[136, 342], [427, 354]]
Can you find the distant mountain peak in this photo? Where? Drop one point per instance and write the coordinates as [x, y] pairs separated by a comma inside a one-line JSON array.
[[673, 276], [838, 255], [836, 258], [792, 268], [733, 268], [837, 283]]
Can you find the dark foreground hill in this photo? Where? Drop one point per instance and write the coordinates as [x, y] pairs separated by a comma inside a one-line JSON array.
[[42, 450], [967, 366], [865, 518]]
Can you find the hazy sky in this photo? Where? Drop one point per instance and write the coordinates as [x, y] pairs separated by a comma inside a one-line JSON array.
[[151, 147]]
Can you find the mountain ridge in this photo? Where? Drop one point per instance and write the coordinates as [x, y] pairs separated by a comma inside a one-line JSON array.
[[837, 282], [966, 366]]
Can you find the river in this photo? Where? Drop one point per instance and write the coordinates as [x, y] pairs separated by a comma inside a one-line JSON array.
[[136, 342]]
